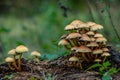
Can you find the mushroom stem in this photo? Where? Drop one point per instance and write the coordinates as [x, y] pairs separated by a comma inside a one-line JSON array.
[[14, 63], [81, 65], [19, 62], [96, 56], [11, 68], [104, 59], [84, 57]]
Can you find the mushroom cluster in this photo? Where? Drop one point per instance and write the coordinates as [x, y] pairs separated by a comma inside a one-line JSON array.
[[84, 40], [13, 60]]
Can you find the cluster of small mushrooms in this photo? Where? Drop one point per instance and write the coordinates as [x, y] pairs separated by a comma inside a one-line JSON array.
[[16, 55], [84, 40]]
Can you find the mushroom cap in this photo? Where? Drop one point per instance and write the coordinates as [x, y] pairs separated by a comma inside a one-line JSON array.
[[70, 27], [105, 54], [90, 33], [83, 25], [9, 59], [73, 59], [92, 39], [92, 44], [98, 35], [35, 53], [21, 49], [12, 52], [99, 26], [90, 23], [101, 39], [94, 28], [83, 49], [63, 42], [74, 48], [73, 35], [105, 49], [63, 36], [76, 23], [97, 51], [97, 60], [84, 37]]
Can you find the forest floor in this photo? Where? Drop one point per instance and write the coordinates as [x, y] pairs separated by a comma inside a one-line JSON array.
[[55, 70]]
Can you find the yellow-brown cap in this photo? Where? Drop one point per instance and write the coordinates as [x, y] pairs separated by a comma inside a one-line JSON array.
[[70, 27], [101, 39], [84, 37], [35, 53], [21, 49], [73, 59], [105, 49], [92, 39], [74, 48], [83, 49], [97, 60], [90, 33], [63, 42], [90, 23], [73, 35], [97, 51], [9, 59], [12, 52], [76, 23], [83, 25], [105, 54], [92, 44], [94, 28], [98, 35]]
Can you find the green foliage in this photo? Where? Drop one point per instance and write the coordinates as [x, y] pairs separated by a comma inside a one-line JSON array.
[[8, 77], [105, 70], [32, 78]]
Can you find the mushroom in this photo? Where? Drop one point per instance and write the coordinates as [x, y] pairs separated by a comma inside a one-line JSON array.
[[76, 23], [74, 36], [84, 39], [94, 28], [13, 52], [97, 60], [10, 60], [70, 28], [105, 49], [74, 48], [90, 33], [90, 23], [101, 40], [98, 35], [82, 50], [64, 43], [96, 52], [83, 26], [105, 54], [37, 55], [20, 50]]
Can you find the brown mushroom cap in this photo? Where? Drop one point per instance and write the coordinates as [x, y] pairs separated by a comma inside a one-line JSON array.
[[92, 39], [97, 60], [105, 54], [92, 44], [35, 53], [99, 26], [90, 23], [70, 27], [97, 51], [90, 33], [63, 42], [94, 27], [73, 59], [105, 49], [101, 39], [21, 49], [83, 49], [83, 25], [76, 23], [84, 37], [74, 48], [63, 36], [73, 35], [9, 59], [12, 52], [98, 35]]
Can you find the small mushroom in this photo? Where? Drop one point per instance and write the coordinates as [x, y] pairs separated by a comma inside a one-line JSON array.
[[105, 55], [90, 33], [84, 39], [10, 60], [37, 55], [74, 37], [97, 60], [13, 53], [83, 26], [96, 52], [76, 23], [98, 35], [70, 28], [64, 43], [83, 50], [20, 50]]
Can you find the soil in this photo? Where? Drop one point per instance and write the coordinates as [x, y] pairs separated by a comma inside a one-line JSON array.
[[56, 70]]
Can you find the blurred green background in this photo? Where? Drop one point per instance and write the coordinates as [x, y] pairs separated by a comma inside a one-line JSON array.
[[38, 24]]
